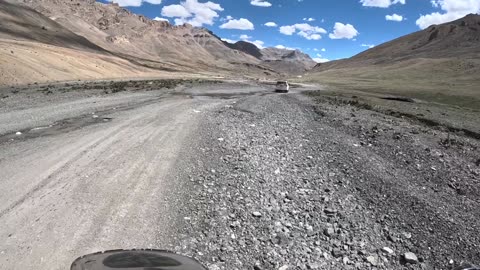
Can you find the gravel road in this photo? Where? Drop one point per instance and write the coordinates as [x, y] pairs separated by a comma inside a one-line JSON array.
[[235, 176]]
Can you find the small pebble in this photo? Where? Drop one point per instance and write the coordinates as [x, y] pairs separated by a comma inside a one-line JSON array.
[[256, 214]]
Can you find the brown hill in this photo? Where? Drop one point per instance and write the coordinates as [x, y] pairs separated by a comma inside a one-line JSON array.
[[458, 39], [27, 24], [152, 43], [114, 32], [134, 36], [34, 48], [440, 64]]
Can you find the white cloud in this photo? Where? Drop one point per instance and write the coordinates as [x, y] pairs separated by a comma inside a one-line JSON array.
[[368, 45], [258, 43], [381, 3], [309, 19], [451, 10], [135, 3], [192, 12], [160, 19], [245, 37], [394, 17], [310, 36], [304, 30], [271, 24], [175, 11], [284, 48], [240, 24], [287, 30], [343, 31], [324, 50], [260, 3], [320, 60]]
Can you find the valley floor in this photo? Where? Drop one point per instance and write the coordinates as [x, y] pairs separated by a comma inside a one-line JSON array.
[[234, 175]]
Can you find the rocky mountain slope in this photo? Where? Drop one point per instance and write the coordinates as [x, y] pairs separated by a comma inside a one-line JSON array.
[[34, 48], [288, 61], [456, 39], [284, 60], [28, 24], [115, 31], [156, 43], [85, 39]]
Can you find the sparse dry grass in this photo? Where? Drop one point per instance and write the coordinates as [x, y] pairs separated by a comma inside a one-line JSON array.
[[447, 91], [451, 82]]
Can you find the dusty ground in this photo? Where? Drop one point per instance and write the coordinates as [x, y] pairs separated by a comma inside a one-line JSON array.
[[233, 175]]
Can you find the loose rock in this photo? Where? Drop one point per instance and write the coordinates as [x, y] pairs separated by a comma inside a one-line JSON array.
[[410, 258]]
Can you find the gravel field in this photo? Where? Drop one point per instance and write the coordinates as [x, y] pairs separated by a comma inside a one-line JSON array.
[[282, 182], [234, 175]]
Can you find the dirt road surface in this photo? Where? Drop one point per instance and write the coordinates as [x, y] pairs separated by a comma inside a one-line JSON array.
[[233, 175], [103, 184]]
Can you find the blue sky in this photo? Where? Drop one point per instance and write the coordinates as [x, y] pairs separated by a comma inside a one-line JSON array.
[[325, 29]]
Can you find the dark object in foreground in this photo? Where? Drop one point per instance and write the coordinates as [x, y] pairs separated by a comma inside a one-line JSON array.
[[135, 260]]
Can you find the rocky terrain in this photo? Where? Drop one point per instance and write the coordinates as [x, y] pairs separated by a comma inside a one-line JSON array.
[[232, 174], [324, 185]]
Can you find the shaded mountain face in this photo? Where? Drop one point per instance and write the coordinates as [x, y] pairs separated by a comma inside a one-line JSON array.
[[456, 39], [36, 49], [246, 47], [22, 23]]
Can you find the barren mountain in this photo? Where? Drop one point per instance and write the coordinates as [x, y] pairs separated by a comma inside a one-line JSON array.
[[288, 61], [440, 64], [457, 39], [34, 48], [156, 44], [27, 24], [118, 30], [107, 30], [284, 60]]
